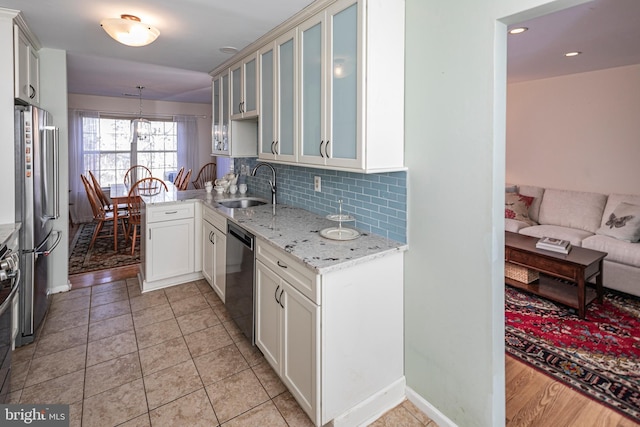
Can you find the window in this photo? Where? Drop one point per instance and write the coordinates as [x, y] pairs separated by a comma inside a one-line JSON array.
[[108, 151]]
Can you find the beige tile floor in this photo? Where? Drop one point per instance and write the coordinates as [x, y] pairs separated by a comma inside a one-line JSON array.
[[171, 357]]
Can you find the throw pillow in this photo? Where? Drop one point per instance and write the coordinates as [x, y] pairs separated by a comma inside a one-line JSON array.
[[516, 206], [623, 223]]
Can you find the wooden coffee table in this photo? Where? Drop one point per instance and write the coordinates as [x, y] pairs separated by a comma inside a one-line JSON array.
[[579, 266]]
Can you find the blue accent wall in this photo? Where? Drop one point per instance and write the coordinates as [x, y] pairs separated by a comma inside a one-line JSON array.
[[377, 201]]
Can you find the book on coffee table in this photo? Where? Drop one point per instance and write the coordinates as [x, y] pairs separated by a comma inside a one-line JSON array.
[[553, 244]]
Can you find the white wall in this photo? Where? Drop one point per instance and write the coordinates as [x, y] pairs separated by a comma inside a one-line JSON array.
[[149, 107], [579, 132], [53, 98], [455, 150]]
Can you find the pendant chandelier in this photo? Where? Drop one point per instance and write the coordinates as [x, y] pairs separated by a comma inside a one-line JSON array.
[[140, 127]]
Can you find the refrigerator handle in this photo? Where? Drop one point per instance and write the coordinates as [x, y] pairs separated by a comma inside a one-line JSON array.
[[55, 160], [38, 251]]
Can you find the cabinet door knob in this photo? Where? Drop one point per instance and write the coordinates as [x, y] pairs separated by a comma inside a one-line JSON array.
[[321, 144], [326, 149], [275, 151], [275, 295], [280, 302], [281, 265], [272, 149], [33, 92]]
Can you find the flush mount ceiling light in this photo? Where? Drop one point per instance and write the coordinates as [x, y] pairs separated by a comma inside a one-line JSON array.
[[570, 54], [518, 30], [129, 30]]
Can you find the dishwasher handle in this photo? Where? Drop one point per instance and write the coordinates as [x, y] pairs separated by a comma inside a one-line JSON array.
[[244, 237]]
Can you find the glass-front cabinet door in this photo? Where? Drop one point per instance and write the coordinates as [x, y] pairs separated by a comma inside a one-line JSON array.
[[216, 131], [330, 87], [285, 146], [225, 122], [343, 114], [311, 90], [244, 88], [267, 120], [277, 122]]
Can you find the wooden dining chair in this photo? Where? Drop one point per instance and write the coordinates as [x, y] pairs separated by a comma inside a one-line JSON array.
[[100, 214], [106, 202], [135, 173], [178, 179], [144, 187], [184, 183], [206, 173]]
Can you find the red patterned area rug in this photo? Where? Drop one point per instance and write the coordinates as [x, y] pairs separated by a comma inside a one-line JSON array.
[[598, 356], [101, 256]]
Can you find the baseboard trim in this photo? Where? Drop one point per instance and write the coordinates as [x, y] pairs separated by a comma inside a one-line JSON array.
[[432, 412], [372, 408], [62, 288], [146, 286]]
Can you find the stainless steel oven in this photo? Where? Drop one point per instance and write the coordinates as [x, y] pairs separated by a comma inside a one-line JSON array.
[[239, 278], [9, 284]]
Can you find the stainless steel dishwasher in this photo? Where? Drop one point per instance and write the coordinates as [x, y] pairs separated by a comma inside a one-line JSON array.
[[240, 277]]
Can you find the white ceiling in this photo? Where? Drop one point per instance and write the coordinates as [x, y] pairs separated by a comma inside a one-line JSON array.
[[175, 67], [607, 32]]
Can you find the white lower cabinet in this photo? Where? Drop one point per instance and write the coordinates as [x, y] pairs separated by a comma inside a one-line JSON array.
[[335, 339], [214, 253], [287, 332], [167, 244]]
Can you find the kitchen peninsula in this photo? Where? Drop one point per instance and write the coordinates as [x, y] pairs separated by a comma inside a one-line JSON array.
[[328, 314]]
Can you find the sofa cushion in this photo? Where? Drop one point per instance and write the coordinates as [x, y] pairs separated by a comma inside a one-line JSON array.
[[516, 206], [623, 223], [573, 209], [573, 235], [536, 193], [614, 200], [617, 250]]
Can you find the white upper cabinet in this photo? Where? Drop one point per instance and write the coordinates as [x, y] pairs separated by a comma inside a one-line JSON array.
[[244, 88], [346, 105], [278, 112], [26, 69], [351, 86], [216, 125], [230, 138]]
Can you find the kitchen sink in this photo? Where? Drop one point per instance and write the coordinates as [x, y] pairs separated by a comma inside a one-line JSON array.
[[241, 203]]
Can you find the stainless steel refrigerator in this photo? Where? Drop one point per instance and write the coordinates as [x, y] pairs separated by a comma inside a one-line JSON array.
[[37, 205]]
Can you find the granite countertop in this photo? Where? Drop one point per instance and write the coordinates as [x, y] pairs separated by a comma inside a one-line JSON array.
[[294, 230]]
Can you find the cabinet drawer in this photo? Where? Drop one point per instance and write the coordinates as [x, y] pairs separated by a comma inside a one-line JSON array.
[[289, 269], [170, 212], [212, 217]]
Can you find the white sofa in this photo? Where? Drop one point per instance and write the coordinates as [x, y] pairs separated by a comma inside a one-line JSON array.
[[585, 219]]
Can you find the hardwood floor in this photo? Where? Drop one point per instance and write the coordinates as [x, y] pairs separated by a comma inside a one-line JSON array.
[[101, 276], [535, 399]]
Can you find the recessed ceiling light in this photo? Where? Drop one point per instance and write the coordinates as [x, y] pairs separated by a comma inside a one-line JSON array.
[[229, 50], [518, 30], [570, 54]]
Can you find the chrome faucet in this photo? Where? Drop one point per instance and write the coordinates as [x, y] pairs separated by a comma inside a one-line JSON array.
[[272, 181]]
